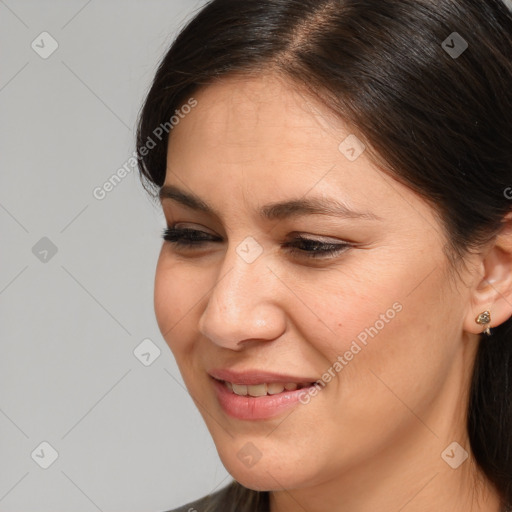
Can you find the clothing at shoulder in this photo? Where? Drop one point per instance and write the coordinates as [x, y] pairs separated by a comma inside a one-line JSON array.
[[201, 504], [232, 498]]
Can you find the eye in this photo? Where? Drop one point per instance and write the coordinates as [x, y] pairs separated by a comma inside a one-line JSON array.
[[310, 248], [299, 246], [186, 237]]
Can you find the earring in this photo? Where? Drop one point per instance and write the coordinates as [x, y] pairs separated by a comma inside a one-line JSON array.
[[484, 319]]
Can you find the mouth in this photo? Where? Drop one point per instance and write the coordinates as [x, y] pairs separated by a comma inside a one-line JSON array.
[[264, 388], [258, 400]]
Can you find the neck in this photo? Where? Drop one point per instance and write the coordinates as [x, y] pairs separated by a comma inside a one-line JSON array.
[[408, 479], [409, 474]]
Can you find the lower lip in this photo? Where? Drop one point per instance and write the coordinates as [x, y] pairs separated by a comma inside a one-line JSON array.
[[255, 408]]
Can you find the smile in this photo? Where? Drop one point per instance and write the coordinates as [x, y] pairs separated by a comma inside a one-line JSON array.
[[263, 389], [252, 402]]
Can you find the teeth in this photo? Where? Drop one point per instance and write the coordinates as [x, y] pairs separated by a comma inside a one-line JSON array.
[[275, 388], [239, 389], [257, 390], [263, 389]]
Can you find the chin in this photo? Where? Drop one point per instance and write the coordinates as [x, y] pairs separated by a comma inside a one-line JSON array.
[[259, 479], [264, 475]]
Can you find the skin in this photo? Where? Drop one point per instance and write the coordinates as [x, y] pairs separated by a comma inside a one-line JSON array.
[[372, 438]]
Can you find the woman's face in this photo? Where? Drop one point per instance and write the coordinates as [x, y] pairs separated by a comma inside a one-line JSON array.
[[378, 322]]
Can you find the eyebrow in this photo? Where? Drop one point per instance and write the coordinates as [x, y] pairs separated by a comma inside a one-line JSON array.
[[273, 211]]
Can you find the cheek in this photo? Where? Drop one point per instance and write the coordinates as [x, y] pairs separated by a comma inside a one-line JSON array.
[[347, 308], [375, 321], [176, 301]]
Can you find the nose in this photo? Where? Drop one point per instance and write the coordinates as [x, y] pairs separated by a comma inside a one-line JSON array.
[[243, 304]]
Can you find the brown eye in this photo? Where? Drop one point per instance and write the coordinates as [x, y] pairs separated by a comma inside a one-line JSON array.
[[184, 237], [310, 248]]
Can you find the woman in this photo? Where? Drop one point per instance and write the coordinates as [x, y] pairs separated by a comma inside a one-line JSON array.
[[336, 277]]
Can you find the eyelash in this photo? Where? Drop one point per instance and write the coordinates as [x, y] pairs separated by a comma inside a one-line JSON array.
[[184, 238]]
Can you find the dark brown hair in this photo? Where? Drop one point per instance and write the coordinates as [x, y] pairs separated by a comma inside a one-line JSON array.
[[439, 122]]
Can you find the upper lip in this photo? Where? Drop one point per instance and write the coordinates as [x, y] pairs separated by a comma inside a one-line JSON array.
[[253, 377]]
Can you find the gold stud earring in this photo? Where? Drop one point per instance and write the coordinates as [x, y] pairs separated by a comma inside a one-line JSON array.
[[484, 319]]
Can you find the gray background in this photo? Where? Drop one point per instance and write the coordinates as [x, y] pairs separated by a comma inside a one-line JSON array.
[[128, 436]]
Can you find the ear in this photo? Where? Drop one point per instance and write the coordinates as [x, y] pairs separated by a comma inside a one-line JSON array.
[[493, 292]]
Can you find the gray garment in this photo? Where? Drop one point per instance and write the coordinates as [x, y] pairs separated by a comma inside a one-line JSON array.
[[232, 498], [201, 504], [228, 499]]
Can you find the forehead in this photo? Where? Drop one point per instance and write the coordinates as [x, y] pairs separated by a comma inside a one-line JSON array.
[[263, 140], [249, 109], [260, 124]]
